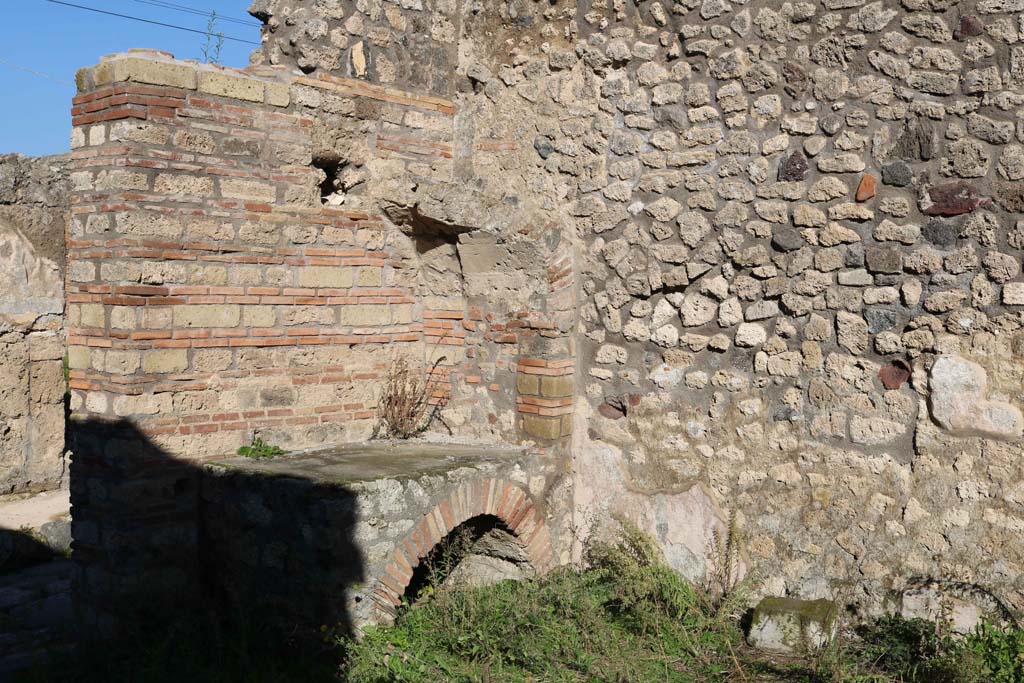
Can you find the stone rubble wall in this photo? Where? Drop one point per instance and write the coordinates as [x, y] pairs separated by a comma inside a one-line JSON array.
[[710, 255], [798, 265], [33, 208]]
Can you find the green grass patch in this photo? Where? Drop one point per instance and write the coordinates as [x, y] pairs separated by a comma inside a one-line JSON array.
[[626, 618], [630, 618]]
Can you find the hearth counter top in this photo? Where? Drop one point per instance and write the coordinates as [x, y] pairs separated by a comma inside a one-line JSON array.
[[365, 462]]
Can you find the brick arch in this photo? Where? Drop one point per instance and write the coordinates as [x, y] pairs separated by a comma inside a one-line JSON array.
[[498, 497]]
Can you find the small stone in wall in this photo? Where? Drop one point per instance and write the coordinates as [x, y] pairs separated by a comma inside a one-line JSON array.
[[874, 431], [613, 409], [750, 335], [883, 260], [897, 174], [665, 376], [794, 168], [940, 233], [1013, 294], [852, 332], [697, 310]]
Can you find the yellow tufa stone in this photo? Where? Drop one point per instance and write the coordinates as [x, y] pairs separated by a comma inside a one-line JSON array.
[[229, 85]]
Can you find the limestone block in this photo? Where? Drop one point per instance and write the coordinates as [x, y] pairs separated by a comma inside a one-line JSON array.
[[234, 188], [278, 94], [138, 131], [750, 334], [324, 276], [139, 223], [929, 602], [150, 71], [78, 357], [207, 315], [258, 316], [229, 85], [1013, 294], [165, 360], [792, 625], [556, 387], [959, 401], [184, 184], [528, 385], [363, 315], [542, 427], [122, 362]]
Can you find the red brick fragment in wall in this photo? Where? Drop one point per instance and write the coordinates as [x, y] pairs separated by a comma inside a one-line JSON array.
[[613, 408], [970, 26], [866, 189], [951, 199], [894, 374]]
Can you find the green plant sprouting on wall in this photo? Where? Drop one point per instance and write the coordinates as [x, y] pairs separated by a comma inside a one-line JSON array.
[[260, 450], [406, 407], [214, 42]]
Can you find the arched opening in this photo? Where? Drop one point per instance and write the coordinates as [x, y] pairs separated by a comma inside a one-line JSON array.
[[481, 551]]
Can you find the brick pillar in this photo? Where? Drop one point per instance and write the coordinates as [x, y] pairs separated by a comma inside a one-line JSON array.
[[544, 396]]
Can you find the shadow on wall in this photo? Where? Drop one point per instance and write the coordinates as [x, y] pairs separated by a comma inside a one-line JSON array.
[[158, 541]]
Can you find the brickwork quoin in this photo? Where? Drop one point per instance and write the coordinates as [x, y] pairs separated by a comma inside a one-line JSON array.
[[222, 286], [212, 294]]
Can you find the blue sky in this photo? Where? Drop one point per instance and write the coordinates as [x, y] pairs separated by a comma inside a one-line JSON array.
[[54, 41]]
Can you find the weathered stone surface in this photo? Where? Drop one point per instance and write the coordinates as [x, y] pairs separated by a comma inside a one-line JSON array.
[[960, 404], [31, 286], [940, 233], [790, 625], [32, 387], [897, 174], [969, 27], [884, 259], [787, 239]]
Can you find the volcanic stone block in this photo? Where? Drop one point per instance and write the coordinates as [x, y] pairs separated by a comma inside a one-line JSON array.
[[883, 260]]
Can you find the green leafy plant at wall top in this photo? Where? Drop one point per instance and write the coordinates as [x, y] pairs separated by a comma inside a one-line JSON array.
[[260, 450]]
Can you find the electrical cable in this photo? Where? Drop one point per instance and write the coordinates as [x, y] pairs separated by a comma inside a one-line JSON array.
[[150, 21], [198, 12]]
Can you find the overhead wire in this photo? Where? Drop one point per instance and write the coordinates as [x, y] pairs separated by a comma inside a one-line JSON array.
[[150, 21], [37, 74], [198, 12]]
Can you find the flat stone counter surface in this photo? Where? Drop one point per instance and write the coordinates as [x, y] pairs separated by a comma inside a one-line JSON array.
[[355, 463]]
